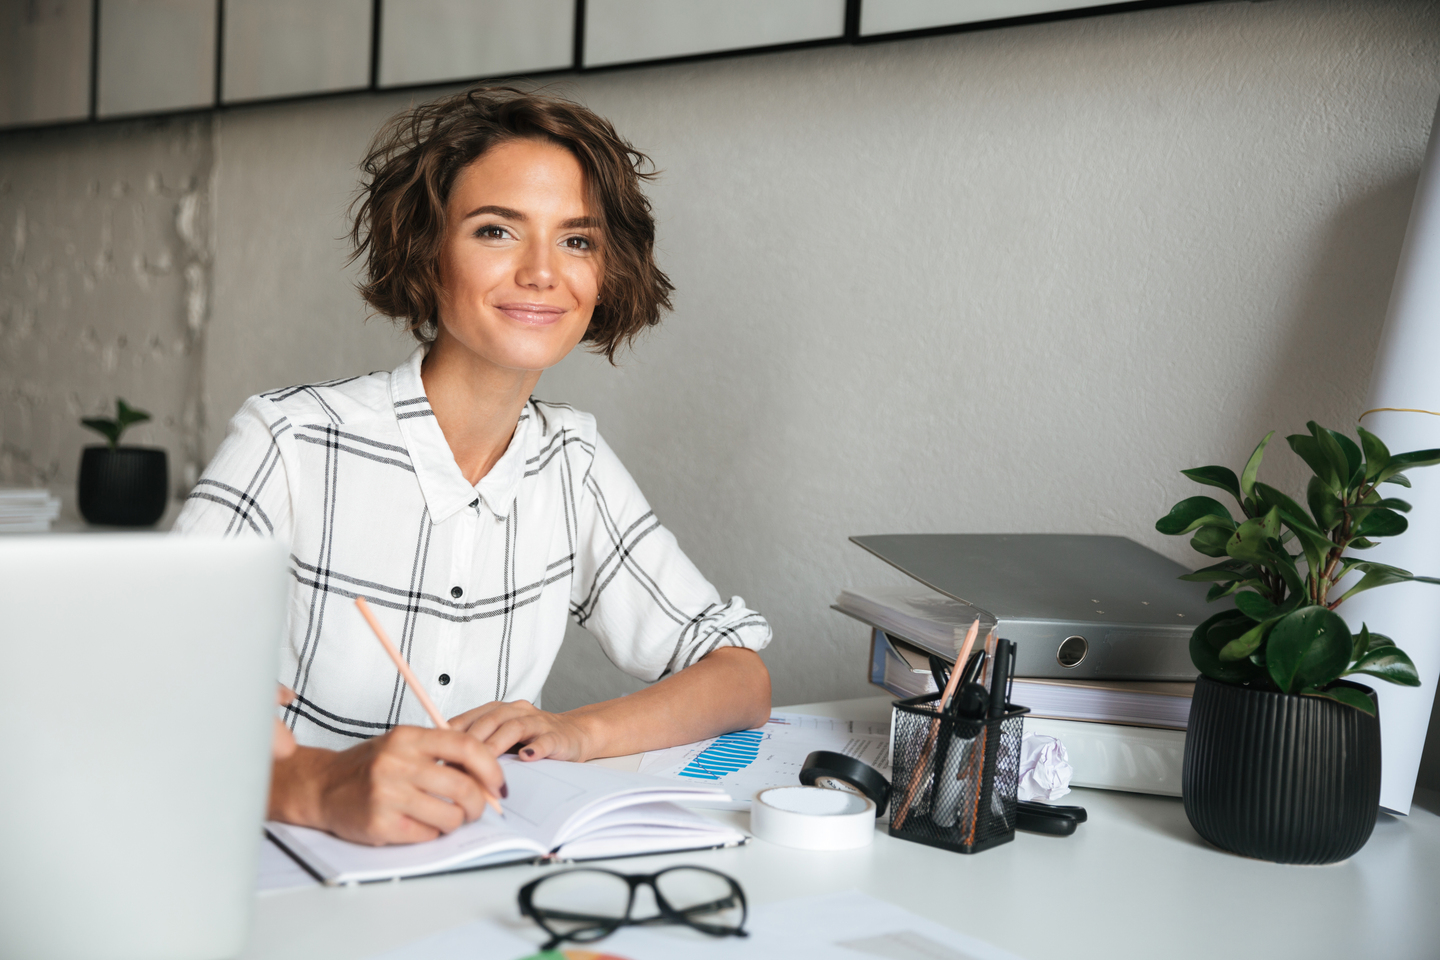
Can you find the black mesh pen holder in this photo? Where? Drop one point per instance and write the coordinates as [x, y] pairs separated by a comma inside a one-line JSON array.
[[954, 780]]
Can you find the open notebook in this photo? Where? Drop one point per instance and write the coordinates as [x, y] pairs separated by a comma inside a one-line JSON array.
[[555, 811]]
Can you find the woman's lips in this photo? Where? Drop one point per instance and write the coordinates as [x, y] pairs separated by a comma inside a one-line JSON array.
[[532, 313]]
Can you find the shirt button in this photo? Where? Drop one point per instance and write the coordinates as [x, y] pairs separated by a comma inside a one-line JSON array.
[[456, 592], [444, 679]]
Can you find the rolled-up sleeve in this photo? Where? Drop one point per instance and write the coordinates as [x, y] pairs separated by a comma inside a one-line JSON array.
[[636, 591], [245, 491]]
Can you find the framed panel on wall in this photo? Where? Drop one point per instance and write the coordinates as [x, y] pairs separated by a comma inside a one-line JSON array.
[[289, 48], [45, 61], [903, 16], [631, 31], [156, 56], [433, 41]]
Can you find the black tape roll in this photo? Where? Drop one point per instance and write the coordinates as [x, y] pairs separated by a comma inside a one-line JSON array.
[[824, 768]]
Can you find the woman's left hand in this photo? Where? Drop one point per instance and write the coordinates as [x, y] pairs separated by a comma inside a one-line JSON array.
[[502, 726]]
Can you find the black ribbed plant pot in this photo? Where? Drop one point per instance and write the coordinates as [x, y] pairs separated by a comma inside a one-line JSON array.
[[1281, 777], [123, 487]]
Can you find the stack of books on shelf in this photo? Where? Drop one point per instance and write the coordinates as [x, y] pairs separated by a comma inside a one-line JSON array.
[[1113, 687], [27, 511]]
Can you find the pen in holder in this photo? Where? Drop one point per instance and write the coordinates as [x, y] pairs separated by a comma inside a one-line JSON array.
[[967, 777]]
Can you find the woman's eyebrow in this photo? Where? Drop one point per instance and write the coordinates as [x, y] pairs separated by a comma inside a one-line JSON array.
[[580, 223], [503, 212]]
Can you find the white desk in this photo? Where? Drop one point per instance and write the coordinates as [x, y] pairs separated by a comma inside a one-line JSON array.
[[1135, 881]]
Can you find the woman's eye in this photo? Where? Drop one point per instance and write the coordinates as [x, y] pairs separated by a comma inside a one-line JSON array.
[[578, 243], [492, 233]]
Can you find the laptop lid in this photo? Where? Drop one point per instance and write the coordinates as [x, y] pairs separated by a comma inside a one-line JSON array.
[[135, 741]]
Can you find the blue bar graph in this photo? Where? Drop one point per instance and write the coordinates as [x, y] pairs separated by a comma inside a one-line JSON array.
[[729, 752]]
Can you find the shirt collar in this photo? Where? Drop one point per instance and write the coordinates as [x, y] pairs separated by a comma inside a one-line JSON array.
[[444, 487]]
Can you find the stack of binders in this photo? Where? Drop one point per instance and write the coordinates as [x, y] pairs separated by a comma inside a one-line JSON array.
[[27, 511], [1102, 627]]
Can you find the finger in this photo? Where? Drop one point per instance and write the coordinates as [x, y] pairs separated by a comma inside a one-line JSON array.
[[520, 730], [284, 696], [464, 720], [432, 812], [455, 785], [484, 727], [282, 744], [463, 750], [546, 745]]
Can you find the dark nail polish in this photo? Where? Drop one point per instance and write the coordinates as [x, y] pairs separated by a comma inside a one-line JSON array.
[[528, 751], [504, 791]]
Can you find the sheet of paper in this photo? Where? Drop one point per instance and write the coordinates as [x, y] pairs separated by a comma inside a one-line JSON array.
[[842, 926], [748, 761]]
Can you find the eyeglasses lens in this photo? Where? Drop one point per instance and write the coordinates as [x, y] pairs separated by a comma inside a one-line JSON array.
[[575, 903], [708, 900]]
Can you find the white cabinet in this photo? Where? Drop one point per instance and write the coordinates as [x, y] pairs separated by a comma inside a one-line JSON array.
[[156, 56], [44, 62], [432, 41], [897, 16], [630, 31], [289, 48]]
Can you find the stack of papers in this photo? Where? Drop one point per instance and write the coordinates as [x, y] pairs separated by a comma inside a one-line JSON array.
[[27, 511]]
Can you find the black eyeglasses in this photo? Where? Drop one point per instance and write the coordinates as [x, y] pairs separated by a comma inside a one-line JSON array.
[[587, 904]]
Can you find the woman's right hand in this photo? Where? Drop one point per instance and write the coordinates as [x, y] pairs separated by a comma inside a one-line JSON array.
[[408, 785]]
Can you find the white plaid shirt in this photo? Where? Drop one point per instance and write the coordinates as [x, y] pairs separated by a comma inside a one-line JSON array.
[[472, 582]]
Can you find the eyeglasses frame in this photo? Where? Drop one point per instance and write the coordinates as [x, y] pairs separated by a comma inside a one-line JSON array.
[[604, 926]]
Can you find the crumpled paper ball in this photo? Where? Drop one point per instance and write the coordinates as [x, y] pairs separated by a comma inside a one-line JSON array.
[[1044, 768]]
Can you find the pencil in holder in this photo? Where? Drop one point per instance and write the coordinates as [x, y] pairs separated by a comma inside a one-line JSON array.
[[955, 779]]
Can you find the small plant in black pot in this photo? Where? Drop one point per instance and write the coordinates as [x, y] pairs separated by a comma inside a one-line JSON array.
[[122, 486], [1282, 753]]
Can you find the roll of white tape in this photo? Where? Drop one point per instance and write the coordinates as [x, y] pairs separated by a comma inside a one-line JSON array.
[[812, 818]]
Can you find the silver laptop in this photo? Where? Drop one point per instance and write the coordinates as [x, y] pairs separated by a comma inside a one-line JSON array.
[[135, 741]]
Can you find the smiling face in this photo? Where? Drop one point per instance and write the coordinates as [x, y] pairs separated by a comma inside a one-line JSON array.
[[519, 268]]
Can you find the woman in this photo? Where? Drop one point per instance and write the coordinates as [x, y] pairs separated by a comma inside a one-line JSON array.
[[502, 228]]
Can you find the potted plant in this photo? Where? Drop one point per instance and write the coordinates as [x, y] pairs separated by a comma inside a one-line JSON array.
[[1282, 754], [122, 486]]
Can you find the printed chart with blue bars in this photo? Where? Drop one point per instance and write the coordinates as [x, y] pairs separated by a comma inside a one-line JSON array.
[[747, 761], [729, 752]]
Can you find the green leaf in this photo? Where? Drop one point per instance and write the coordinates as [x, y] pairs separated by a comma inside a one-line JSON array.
[[1308, 449], [1354, 459], [1405, 461], [1255, 607], [1377, 455], [1244, 645], [1348, 696], [1331, 450], [1210, 541], [1221, 590], [127, 415], [1400, 480], [1226, 571], [1251, 540], [1195, 512], [1308, 647], [1360, 644], [1388, 663], [1381, 522], [1211, 637], [1222, 477], [1360, 543], [1376, 575], [1315, 545], [1395, 503], [1252, 466], [1324, 505], [104, 426], [1378, 640]]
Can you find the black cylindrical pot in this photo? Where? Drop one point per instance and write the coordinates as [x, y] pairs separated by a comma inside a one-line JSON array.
[[1281, 777], [123, 487]]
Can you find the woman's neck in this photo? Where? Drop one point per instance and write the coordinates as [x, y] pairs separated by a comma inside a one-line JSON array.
[[476, 404]]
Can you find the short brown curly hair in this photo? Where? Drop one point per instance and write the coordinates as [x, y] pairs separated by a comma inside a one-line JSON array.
[[398, 224]]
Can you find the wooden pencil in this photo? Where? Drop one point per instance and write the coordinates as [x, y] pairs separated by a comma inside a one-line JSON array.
[[962, 655], [413, 682]]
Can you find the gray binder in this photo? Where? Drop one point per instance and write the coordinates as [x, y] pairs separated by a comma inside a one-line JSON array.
[[1076, 605]]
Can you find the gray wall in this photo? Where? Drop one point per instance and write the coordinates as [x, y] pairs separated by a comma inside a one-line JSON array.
[[1010, 280]]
